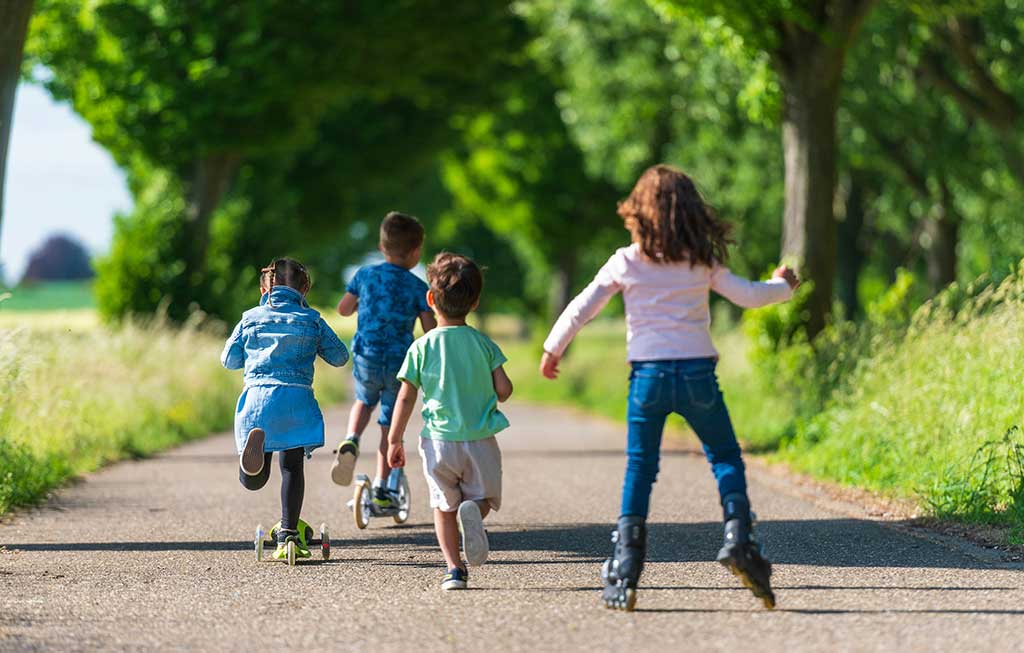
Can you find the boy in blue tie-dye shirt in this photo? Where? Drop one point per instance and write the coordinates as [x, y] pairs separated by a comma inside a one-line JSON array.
[[388, 298]]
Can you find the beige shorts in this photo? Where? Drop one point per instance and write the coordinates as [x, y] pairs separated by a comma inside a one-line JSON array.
[[460, 471]]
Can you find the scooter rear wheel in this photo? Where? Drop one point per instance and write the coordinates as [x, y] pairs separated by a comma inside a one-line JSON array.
[[325, 542], [402, 515]]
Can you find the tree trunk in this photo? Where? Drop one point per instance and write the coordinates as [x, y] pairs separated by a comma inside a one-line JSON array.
[[213, 176], [851, 248], [810, 85], [809, 61], [565, 276], [14, 15], [943, 234], [940, 255]]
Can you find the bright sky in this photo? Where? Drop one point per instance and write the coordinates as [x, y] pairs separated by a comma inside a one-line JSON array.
[[58, 180]]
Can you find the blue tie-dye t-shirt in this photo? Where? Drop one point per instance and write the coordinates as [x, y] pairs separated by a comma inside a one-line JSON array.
[[390, 300]]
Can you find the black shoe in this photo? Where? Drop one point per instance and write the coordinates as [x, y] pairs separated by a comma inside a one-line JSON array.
[[741, 553], [251, 459], [621, 572]]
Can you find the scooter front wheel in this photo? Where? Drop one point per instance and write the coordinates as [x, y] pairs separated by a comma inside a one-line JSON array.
[[361, 505]]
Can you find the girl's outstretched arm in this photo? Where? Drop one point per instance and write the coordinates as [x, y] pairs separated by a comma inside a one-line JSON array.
[[233, 356], [583, 308], [753, 294]]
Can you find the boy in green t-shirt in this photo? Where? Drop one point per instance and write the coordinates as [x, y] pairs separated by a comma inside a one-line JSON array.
[[461, 374]]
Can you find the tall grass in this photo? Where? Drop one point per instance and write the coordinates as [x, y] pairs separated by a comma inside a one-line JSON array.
[[75, 398], [933, 414]]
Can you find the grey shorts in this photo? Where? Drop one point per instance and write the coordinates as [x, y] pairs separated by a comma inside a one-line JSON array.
[[460, 471]]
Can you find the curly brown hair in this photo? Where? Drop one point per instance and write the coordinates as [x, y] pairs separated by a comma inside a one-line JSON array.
[[455, 283], [671, 222]]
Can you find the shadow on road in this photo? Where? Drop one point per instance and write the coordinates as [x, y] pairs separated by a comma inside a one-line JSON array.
[[825, 543]]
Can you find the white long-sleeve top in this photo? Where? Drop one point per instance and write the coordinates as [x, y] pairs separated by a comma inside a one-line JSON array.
[[667, 312]]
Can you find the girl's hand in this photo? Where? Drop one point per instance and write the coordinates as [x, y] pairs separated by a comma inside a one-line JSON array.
[[549, 365], [785, 272], [396, 455]]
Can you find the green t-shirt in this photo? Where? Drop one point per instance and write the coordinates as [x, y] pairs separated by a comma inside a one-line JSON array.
[[452, 366]]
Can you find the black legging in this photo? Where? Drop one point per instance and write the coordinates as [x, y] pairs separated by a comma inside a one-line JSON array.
[[293, 484]]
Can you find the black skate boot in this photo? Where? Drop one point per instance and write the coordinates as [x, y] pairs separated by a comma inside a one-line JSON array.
[[621, 573], [742, 554]]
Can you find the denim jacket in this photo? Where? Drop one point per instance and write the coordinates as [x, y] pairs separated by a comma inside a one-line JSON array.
[[278, 341]]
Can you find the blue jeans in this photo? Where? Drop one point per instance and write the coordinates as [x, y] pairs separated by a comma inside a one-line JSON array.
[[688, 387], [376, 380]]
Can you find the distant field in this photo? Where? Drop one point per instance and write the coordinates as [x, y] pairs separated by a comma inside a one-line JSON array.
[[65, 295]]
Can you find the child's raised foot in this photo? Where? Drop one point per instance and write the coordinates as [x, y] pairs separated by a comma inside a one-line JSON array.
[[345, 461], [474, 538], [251, 458], [746, 562], [456, 579], [741, 553]]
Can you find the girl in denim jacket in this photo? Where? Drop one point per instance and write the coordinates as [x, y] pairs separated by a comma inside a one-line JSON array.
[[277, 343], [678, 255]]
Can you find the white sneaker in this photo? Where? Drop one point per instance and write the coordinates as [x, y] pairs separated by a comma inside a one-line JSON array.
[[474, 537], [251, 458]]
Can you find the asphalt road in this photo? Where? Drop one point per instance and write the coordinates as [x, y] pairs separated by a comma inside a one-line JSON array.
[[157, 555]]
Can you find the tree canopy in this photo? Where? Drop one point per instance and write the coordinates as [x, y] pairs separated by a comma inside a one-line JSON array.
[[855, 137]]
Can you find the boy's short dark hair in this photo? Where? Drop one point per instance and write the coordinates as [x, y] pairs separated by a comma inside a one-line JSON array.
[[400, 234], [456, 283]]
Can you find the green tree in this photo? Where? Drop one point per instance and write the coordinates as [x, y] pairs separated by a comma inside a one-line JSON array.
[[806, 42], [14, 16], [518, 170], [637, 90], [930, 164], [200, 88], [974, 58]]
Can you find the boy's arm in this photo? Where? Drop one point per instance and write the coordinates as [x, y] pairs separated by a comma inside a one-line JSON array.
[[428, 321], [233, 356], [404, 406], [754, 294], [348, 305], [502, 384], [331, 348]]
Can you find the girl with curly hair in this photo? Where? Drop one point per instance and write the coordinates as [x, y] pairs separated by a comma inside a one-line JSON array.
[[678, 255]]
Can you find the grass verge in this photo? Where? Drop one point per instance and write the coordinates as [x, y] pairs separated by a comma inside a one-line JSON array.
[[73, 399]]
